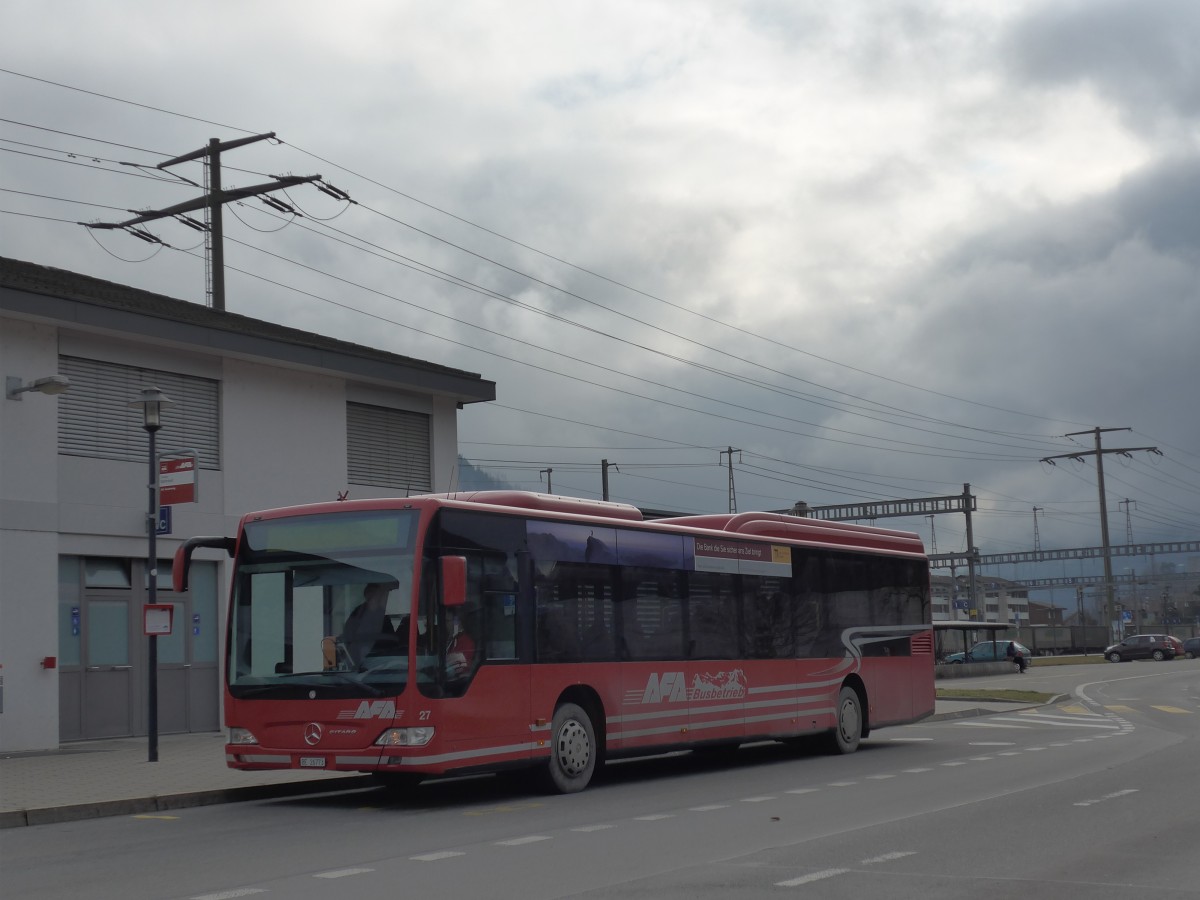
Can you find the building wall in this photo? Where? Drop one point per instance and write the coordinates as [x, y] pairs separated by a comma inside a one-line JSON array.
[[283, 442], [28, 541]]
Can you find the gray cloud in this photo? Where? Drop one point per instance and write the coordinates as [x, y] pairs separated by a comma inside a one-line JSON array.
[[1139, 54]]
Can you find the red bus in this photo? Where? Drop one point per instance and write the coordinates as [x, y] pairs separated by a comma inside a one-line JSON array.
[[476, 632]]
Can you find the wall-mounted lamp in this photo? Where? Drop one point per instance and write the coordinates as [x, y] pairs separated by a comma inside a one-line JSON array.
[[51, 384]]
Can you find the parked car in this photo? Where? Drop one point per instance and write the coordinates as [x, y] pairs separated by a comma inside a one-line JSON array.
[[1142, 646], [1191, 648], [1176, 643], [989, 651]]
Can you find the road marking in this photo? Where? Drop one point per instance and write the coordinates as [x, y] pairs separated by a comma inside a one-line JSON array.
[[1009, 753], [1046, 717], [491, 810], [1124, 709], [842, 783], [888, 857], [955, 762], [528, 839], [757, 799], [708, 808], [654, 818], [992, 744], [342, 873], [229, 895], [593, 827], [803, 791], [1058, 723], [917, 771], [815, 876], [1173, 709], [1111, 796], [981, 758], [434, 857], [879, 777]]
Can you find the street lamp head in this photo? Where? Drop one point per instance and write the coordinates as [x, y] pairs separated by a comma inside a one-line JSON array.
[[51, 384], [152, 403]]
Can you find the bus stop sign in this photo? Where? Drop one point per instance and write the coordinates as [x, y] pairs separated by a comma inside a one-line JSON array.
[[177, 480]]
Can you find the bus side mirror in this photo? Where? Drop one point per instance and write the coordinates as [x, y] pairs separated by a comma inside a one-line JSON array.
[[454, 580], [183, 557]]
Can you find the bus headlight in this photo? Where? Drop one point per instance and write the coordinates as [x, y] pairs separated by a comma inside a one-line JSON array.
[[405, 737], [241, 736]]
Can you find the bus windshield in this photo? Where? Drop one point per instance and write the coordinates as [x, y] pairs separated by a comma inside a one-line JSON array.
[[321, 606]]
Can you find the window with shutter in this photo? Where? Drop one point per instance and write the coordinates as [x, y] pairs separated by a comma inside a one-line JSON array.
[[388, 448], [96, 420]]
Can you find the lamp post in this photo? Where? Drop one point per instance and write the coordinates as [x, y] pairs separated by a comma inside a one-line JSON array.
[[152, 403]]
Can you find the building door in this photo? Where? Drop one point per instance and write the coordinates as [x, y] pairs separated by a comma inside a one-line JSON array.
[[107, 695], [105, 676], [187, 664]]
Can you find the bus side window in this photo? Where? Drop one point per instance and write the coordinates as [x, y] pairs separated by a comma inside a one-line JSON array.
[[712, 616]]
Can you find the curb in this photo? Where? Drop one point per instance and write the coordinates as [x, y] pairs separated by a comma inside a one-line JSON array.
[[167, 802]]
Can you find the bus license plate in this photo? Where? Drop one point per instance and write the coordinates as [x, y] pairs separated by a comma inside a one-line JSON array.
[[312, 762]]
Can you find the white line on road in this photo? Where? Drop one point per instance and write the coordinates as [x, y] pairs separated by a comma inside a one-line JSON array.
[[708, 808], [1111, 796], [434, 857], [593, 827], [1030, 720], [229, 895], [342, 873], [888, 857], [651, 818], [917, 771], [529, 839], [803, 791], [815, 876], [758, 799]]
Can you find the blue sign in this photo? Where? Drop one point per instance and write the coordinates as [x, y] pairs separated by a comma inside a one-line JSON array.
[[164, 520]]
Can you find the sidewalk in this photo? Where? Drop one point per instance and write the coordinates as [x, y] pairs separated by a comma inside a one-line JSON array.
[[112, 778]]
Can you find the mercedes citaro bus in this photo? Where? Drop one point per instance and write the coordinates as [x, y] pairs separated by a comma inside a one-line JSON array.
[[474, 632]]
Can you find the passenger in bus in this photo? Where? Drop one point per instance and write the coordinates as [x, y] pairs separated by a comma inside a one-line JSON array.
[[368, 630], [460, 650]]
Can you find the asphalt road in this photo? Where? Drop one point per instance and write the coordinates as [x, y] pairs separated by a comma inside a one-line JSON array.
[[1094, 796]]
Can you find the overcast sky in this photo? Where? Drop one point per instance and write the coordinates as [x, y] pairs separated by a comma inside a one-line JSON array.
[[881, 249]]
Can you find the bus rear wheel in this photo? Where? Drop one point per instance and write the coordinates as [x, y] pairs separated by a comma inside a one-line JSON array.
[[848, 726], [573, 750]]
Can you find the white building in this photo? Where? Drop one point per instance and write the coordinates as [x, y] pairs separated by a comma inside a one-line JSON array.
[[277, 417], [1003, 600]]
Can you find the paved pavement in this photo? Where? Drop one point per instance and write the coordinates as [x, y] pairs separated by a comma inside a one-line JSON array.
[[92, 779]]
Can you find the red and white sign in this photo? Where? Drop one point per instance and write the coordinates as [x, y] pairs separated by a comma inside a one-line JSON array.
[[177, 480], [158, 618]]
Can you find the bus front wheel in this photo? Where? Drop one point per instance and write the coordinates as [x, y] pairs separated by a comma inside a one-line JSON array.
[[848, 727], [572, 751]]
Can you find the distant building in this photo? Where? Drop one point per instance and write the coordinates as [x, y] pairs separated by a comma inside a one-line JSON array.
[[277, 416], [1001, 600]]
